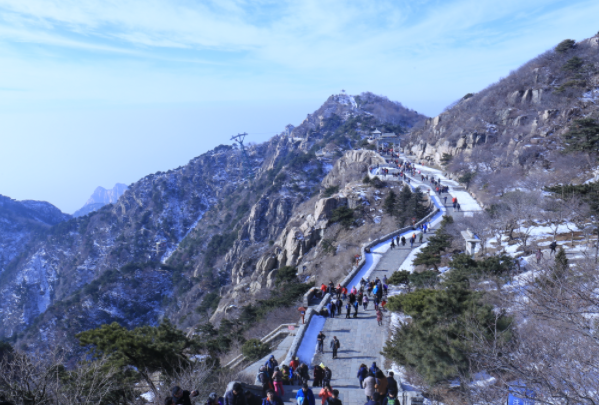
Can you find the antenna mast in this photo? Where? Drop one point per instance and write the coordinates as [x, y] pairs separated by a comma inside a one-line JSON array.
[[246, 159]]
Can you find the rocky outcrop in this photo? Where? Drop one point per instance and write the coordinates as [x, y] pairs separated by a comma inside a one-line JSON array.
[[353, 163], [266, 219]]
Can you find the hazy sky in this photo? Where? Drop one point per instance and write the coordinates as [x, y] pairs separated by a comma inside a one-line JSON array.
[[95, 92]]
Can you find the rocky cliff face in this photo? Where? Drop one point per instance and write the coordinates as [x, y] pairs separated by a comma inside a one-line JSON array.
[[514, 126], [100, 198], [511, 121], [171, 237]]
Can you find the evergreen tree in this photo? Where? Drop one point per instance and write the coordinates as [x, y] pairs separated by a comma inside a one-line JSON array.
[[141, 351], [565, 45], [399, 277], [430, 255], [583, 136], [433, 343], [561, 266], [390, 203]]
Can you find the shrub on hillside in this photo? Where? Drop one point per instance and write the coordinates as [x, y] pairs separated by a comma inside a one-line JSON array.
[[565, 45], [254, 349]]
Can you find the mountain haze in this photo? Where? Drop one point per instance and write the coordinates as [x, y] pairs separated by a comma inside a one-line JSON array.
[[174, 236]]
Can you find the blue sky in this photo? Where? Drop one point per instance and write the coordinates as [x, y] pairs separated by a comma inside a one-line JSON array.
[[98, 92]]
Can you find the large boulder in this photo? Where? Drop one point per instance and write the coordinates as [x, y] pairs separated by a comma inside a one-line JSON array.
[[351, 166], [326, 206]]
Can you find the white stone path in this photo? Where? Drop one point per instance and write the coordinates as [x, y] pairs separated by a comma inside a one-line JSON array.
[[362, 339]]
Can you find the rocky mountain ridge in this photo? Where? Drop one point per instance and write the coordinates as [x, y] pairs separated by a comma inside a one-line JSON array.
[[172, 237], [100, 198], [20, 221], [515, 126]]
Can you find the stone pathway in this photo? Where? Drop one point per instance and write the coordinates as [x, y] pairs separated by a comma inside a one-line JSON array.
[[361, 339]]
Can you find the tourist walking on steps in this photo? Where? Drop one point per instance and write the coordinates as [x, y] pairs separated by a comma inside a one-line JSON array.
[[272, 398], [379, 317], [348, 309], [420, 237], [381, 383], [328, 376], [374, 368], [303, 374], [365, 302], [339, 306], [369, 383], [356, 305], [335, 345], [271, 363], [305, 396], [392, 243], [334, 400], [235, 396], [320, 339], [318, 376], [459, 207], [277, 381], [362, 374], [552, 246], [390, 398], [265, 380], [325, 393], [392, 383], [403, 241]]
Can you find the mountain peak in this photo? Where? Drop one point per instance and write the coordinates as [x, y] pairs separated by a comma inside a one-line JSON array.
[[100, 198]]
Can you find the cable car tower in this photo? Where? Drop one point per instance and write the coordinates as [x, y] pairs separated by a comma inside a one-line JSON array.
[[246, 159]]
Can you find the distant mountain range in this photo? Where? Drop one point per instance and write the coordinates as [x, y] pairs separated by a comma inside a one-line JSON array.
[[100, 198]]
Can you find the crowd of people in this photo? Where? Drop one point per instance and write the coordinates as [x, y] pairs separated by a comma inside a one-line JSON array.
[[356, 297]]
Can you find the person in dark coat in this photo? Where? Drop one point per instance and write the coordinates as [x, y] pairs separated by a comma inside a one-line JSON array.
[[392, 385], [270, 364], [318, 376], [362, 374], [374, 368], [272, 399], [334, 400], [235, 396], [265, 380], [348, 309], [182, 397]]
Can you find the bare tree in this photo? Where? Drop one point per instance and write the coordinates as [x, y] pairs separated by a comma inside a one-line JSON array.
[[31, 380], [196, 376], [554, 344], [522, 209]]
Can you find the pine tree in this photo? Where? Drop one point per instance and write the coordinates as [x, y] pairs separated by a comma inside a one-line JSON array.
[[141, 351], [430, 255], [583, 136], [434, 343], [390, 203]]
